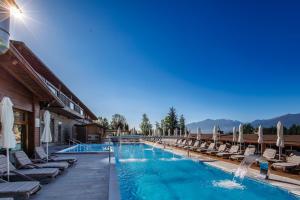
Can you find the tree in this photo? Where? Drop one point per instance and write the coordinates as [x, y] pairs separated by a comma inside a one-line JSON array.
[[171, 121], [157, 127], [248, 129], [294, 130], [102, 121], [145, 125], [118, 121], [126, 127], [182, 123], [270, 131]]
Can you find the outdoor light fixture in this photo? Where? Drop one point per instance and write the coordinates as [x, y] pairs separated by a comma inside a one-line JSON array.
[[8, 8]]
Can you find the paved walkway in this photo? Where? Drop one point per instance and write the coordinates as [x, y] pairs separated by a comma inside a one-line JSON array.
[[88, 180]]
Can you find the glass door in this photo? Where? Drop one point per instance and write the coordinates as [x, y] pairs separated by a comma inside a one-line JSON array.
[[21, 129]]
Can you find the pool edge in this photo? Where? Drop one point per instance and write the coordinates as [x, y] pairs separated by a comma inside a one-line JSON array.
[[114, 189], [251, 175]]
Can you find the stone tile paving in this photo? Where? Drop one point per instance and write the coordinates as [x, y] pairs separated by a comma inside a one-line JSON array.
[[88, 180]]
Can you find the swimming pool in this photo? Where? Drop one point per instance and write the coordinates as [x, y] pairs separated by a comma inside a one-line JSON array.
[[154, 174], [87, 148]]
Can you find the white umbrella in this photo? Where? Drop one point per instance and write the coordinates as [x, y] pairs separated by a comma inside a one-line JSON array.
[[234, 135], [215, 134], [180, 132], [169, 132], [8, 139], [119, 131], [199, 134], [241, 136], [280, 141], [46, 136], [260, 136], [185, 132]]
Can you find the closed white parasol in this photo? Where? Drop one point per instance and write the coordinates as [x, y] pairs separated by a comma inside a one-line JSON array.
[[8, 139], [46, 136], [280, 141]]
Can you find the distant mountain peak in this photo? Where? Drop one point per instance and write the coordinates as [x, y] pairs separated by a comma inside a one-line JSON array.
[[226, 125]]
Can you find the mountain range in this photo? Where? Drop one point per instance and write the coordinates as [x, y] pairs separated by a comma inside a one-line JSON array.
[[226, 125]]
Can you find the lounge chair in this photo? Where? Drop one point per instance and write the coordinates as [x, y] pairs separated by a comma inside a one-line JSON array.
[[177, 142], [24, 162], [195, 146], [292, 164], [249, 151], [234, 149], [202, 146], [18, 190], [269, 155], [221, 149], [40, 174], [211, 147], [182, 144], [185, 143], [188, 145]]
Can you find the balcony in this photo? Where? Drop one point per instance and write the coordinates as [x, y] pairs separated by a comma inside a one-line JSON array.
[[69, 103]]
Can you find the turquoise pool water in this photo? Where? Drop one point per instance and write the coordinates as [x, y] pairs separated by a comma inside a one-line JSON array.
[[154, 174], [86, 148]]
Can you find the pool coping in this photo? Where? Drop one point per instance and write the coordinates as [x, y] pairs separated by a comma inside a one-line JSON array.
[[230, 168], [114, 189], [74, 146]]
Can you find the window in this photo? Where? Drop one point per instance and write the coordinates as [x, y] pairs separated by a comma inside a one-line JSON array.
[[72, 105], [20, 128]]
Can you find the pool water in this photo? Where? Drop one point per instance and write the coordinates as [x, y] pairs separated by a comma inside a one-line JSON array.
[[86, 148], [154, 174]]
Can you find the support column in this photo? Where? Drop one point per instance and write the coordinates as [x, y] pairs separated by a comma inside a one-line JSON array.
[[34, 127]]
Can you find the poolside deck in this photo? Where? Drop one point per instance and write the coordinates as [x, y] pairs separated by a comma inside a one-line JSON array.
[[88, 179]]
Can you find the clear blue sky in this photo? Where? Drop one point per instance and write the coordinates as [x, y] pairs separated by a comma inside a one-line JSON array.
[[208, 59]]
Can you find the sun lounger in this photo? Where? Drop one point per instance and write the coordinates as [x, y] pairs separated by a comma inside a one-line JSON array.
[[202, 146], [234, 149], [195, 146], [188, 145], [249, 151], [182, 144], [221, 149], [269, 155], [292, 164], [177, 142], [24, 162], [211, 147], [18, 190], [32, 174]]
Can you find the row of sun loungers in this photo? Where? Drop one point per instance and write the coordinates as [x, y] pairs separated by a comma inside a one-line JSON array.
[[27, 175], [291, 163]]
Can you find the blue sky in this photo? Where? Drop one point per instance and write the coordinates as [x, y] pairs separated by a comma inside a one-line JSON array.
[[208, 59]]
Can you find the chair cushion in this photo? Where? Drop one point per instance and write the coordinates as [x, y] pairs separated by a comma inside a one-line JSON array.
[[19, 187]]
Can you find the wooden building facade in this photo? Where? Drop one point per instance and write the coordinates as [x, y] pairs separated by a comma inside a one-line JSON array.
[[33, 88]]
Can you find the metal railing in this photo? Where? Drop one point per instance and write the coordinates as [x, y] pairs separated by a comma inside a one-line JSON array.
[[74, 141], [65, 99]]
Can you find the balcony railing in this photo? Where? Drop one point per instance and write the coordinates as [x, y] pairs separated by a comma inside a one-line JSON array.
[[65, 99]]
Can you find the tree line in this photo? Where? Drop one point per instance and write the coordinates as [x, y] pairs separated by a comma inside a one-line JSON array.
[[293, 130], [118, 121], [169, 123]]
